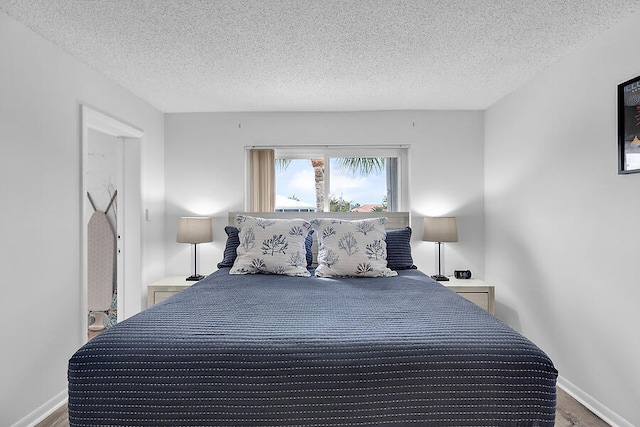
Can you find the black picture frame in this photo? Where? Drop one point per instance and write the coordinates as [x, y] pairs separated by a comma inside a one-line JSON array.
[[629, 126]]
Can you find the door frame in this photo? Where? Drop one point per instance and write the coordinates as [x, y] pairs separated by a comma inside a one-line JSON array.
[[96, 120]]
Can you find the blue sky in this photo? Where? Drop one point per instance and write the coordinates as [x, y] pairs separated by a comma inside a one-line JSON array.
[[298, 180]]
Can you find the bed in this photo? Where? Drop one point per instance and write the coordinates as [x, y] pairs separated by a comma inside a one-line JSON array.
[[274, 350]]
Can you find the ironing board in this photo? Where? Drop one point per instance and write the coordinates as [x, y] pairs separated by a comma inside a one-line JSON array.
[[101, 251]]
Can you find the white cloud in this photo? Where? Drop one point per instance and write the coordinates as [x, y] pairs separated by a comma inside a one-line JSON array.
[[359, 189], [298, 180]]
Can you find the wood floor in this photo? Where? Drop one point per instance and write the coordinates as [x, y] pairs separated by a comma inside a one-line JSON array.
[[569, 413], [60, 418]]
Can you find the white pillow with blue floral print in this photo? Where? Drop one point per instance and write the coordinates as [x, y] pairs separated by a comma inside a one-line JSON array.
[[271, 246], [351, 248]]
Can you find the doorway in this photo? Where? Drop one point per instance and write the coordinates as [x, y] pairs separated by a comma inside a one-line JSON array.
[[103, 178], [111, 211]]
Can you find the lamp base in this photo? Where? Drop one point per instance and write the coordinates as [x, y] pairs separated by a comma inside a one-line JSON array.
[[194, 278], [440, 278]]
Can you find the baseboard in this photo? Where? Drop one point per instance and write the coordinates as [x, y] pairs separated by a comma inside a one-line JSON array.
[[43, 411], [592, 404]]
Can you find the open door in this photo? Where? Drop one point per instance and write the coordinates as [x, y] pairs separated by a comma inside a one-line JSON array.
[[111, 212]]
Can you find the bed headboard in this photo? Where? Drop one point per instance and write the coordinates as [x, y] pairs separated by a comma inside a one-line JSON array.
[[395, 220]]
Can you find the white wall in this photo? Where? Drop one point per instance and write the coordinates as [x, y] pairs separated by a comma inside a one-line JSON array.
[[101, 177], [42, 89], [562, 237], [205, 167]]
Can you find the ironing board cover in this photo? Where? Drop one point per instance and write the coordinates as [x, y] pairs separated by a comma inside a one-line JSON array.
[[101, 261]]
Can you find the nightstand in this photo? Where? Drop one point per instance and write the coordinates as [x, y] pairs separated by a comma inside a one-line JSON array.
[[476, 291], [163, 289]]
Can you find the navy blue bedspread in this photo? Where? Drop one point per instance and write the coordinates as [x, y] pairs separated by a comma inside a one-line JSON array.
[[296, 351]]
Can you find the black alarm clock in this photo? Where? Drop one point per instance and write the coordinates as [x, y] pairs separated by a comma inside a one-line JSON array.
[[462, 274]]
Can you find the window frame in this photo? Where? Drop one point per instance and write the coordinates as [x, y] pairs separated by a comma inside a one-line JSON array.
[[401, 152]]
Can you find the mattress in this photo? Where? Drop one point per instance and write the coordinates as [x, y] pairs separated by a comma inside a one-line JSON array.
[[267, 350]]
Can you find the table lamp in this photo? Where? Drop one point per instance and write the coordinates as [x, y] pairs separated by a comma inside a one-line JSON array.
[[194, 230], [440, 230]]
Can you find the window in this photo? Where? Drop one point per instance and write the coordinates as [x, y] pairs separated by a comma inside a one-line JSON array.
[[321, 179]]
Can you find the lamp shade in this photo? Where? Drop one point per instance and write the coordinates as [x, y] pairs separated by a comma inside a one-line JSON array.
[[194, 230], [440, 229]]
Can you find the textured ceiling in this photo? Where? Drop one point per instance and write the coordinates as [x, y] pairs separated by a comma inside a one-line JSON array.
[[333, 55]]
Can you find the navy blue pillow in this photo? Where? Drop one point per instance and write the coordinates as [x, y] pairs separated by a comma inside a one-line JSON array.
[[308, 241], [233, 241], [399, 249]]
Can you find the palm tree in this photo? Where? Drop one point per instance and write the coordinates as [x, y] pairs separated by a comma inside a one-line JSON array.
[[361, 165], [357, 165], [318, 174]]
